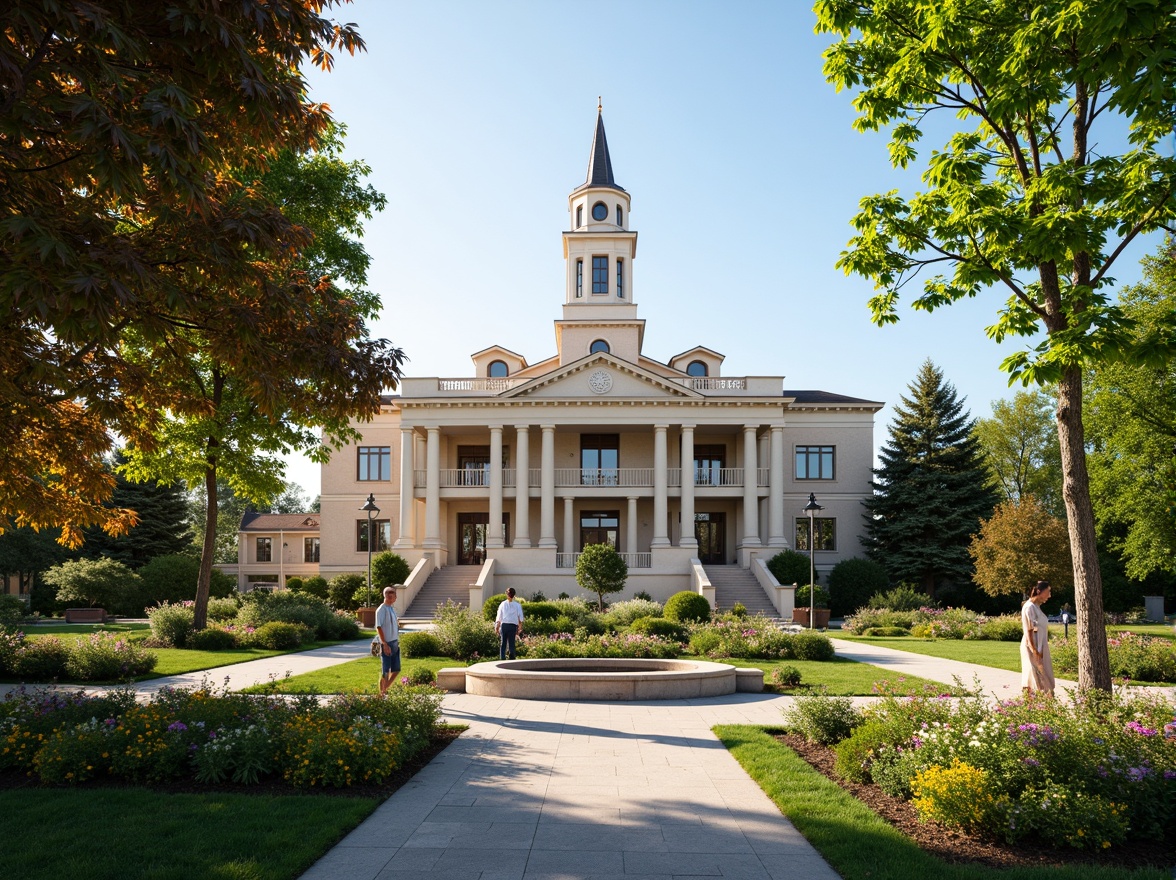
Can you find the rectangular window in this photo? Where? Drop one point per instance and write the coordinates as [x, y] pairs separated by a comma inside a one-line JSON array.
[[375, 463], [826, 528], [383, 530], [265, 549], [600, 457], [310, 549], [579, 216], [814, 462], [579, 277], [600, 274], [599, 527], [619, 216], [709, 462], [620, 279]]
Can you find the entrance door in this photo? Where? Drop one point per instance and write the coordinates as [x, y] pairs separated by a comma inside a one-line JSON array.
[[599, 527], [472, 530], [711, 531]]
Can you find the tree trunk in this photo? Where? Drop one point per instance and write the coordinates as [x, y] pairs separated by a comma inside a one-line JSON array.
[[1094, 667], [208, 552]]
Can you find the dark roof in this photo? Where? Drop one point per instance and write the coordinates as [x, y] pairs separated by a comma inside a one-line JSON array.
[[600, 171], [279, 522], [827, 397]]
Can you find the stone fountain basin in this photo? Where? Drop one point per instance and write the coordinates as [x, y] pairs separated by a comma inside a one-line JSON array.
[[586, 678]]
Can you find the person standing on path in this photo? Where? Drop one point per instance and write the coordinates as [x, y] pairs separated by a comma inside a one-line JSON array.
[[508, 624], [388, 632], [1036, 664]]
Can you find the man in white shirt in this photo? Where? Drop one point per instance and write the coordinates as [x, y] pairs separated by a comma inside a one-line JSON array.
[[508, 624], [388, 632]]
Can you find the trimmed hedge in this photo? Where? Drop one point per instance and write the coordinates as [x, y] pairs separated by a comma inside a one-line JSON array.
[[687, 607]]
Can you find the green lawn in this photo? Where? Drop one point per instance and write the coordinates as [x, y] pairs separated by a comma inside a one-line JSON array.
[[842, 677], [132, 833], [1001, 655], [856, 841]]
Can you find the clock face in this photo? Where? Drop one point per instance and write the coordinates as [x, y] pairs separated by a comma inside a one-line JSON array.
[[600, 382], [599, 211]]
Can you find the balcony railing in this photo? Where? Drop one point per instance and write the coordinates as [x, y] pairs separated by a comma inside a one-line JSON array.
[[718, 477], [719, 386], [633, 560], [620, 478], [603, 477]]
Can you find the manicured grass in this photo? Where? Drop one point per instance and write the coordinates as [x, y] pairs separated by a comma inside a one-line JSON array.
[[79, 630], [1158, 630], [856, 841], [842, 677], [1001, 655], [124, 834]]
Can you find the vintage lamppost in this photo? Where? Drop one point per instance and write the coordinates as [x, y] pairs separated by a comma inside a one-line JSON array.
[[811, 509], [370, 508]]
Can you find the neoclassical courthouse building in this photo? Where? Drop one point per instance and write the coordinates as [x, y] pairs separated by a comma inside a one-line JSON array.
[[513, 470]]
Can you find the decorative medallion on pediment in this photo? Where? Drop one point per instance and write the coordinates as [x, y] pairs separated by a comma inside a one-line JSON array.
[[600, 381]]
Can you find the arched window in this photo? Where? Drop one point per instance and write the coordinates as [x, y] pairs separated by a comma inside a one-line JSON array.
[[599, 345], [696, 368], [497, 370]]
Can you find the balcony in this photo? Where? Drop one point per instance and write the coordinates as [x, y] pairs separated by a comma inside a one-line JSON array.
[[633, 560], [716, 386], [617, 478]]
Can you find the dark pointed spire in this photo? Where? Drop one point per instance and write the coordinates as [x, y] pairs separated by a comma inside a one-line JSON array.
[[600, 171]]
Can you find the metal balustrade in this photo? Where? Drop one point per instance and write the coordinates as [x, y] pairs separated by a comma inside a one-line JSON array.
[[633, 560], [621, 478]]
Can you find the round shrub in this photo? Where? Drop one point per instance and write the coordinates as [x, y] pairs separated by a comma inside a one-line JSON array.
[[389, 569], [885, 631], [687, 607], [815, 596], [785, 677], [420, 675], [739, 611], [279, 636], [339, 627], [171, 624], [315, 586], [540, 611], [173, 578], [295, 584], [823, 719], [490, 605], [211, 638], [419, 644], [812, 646], [852, 582], [341, 591], [42, 659], [658, 626], [790, 567]]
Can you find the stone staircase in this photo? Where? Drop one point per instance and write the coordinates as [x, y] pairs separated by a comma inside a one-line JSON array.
[[449, 583], [734, 584]]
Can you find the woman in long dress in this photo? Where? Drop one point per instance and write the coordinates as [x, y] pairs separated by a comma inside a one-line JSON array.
[[1036, 665]]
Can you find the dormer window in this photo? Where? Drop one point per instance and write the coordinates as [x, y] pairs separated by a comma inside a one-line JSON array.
[[600, 212], [697, 368], [497, 370], [598, 346]]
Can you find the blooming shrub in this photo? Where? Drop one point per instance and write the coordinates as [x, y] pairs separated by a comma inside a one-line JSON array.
[[822, 719], [210, 738], [957, 795], [757, 638], [1133, 656], [278, 635], [660, 627], [867, 618], [622, 614], [171, 624], [42, 659], [463, 634], [582, 644], [103, 656]]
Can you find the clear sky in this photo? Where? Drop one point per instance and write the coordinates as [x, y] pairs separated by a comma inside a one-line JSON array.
[[477, 118]]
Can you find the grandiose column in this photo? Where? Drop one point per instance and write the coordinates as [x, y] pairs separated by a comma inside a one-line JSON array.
[[569, 541], [631, 526], [776, 536], [547, 489], [751, 536], [660, 506], [404, 535], [494, 536], [688, 538], [522, 529], [433, 490]]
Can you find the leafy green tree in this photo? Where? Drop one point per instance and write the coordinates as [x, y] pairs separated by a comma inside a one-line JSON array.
[[389, 569], [97, 583], [791, 567], [1020, 544], [330, 373], [1020, 447], [173, 578], [852, 582], [120, 125], [932, 488], [162, 527], [600, 569], [1031, 200], [342, 590], [1131, 424]]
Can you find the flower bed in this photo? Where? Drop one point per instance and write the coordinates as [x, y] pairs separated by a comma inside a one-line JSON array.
[[935, 623], [560, 645], [1132, 656], [196, 735], [1091, 775], [99, 656], [756, 638]]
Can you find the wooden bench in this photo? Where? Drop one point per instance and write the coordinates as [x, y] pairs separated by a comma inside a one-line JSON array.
[[85, 615]]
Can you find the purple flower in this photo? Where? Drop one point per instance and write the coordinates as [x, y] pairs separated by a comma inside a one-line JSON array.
[[177, 727], [1136, 727], [1030, 762]]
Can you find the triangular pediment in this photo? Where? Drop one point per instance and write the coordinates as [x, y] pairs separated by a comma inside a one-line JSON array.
[[598, 377]]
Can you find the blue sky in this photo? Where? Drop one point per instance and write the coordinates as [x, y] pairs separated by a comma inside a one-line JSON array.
[[477, 117]]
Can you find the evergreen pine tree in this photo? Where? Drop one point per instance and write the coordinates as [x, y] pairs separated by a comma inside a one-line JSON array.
[[932, 489]]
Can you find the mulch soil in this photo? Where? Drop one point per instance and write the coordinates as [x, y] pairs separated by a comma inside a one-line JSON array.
[[441, 738], [956, 846]]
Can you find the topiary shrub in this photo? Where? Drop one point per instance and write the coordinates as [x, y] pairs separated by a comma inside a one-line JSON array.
[[389, 570], [419, 644], [790, 567], [904, 597], [315, 586], [211, 638], [490, 606], [341, 591], [659, 626], [810, 645], [687, 607], [295, 584], [852, 582]]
